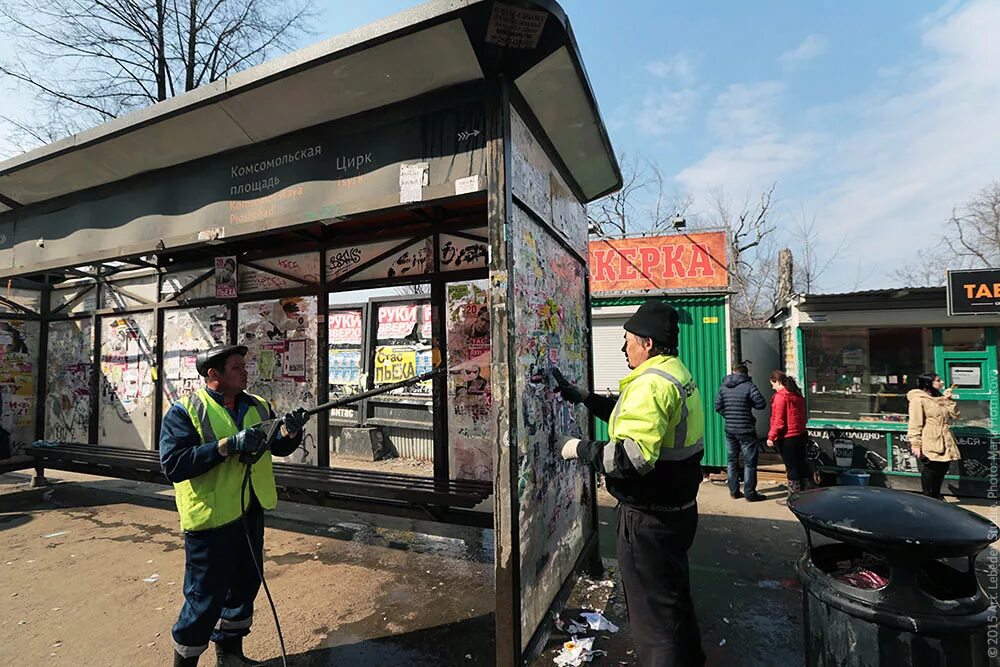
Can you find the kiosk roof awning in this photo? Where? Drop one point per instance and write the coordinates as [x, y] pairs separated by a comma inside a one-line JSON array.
[[436, 45]]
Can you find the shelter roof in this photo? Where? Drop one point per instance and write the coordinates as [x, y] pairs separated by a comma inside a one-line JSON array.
[[434, 46]]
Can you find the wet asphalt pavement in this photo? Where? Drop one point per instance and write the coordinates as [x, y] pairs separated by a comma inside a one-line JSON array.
[[421, 594]]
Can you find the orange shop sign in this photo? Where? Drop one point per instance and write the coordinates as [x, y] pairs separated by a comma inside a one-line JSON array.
[[678, 261]]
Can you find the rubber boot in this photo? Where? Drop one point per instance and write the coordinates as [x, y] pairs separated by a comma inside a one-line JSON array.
[[229, 653], [181, 661]]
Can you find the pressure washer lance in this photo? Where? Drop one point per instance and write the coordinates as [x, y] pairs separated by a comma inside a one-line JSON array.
[[273, 428]]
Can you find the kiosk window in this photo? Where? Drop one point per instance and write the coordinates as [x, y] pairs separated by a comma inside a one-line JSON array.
[[860, 374], [964, 340]]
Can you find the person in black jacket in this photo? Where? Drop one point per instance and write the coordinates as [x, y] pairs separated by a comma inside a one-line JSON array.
[[737, 398]]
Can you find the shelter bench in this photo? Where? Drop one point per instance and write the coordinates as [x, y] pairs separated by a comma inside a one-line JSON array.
[[393, 494]]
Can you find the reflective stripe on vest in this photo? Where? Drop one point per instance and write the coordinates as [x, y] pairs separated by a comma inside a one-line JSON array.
[[676, 451], [213, 499]]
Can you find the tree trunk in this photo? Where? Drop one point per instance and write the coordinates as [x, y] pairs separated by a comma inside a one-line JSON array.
[[191, 42], [161, 53]]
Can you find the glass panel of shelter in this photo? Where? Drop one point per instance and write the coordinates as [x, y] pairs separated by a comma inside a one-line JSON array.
[[186, 332], [127, 382], [19, 354], [281, 335], [398, 341], [69, 374], [386, 284]]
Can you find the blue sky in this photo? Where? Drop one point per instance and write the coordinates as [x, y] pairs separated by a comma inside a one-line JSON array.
[[877, 118]]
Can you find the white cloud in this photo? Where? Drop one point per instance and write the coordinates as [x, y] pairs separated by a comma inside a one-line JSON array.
[[751, 166], [754, 150], [665, 111], [680, 66], [883, 169], [808, 49], [746, 110], [923, 148]]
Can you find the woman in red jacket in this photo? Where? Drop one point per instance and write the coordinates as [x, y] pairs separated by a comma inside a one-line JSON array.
[[788, 430]]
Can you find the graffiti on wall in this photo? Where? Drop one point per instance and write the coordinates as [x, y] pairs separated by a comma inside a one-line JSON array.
[[304, 267], [70, 367], [458, 254], [125, 406], [470, 397], [186, 332], [550, 332], [18, 372], [414, 260], [281, 336]]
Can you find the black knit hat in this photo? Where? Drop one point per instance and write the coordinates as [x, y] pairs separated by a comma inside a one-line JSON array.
[[204, 359], [657, 320]]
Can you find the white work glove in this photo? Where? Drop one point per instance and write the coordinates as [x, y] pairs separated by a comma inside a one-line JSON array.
[[567, 447]]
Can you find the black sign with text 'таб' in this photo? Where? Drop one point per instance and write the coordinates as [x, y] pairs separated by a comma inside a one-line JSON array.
[[974, 292]]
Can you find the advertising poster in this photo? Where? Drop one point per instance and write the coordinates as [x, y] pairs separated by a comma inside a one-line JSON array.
[[394, 364], [345, 338], [225, 278], [411, 321], [470, 398]]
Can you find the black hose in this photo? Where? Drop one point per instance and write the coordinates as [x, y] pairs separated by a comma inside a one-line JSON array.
[[246, 480], [259, 566]]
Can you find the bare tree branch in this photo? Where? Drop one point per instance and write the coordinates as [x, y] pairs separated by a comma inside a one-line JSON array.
[[753, 265], [977, 227], [972, 241], [86, 61], [812, 261]]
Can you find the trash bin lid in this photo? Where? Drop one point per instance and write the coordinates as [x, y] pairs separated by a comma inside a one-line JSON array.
[[883, 519]]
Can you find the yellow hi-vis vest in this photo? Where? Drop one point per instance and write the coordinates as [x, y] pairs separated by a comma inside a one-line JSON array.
[[213, 499], [659, 416]]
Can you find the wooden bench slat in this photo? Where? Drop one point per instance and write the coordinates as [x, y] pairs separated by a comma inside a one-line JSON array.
[[351, 482]]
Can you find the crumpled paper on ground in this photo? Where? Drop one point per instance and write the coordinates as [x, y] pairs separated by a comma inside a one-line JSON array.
[[597, 621], [576, 652]]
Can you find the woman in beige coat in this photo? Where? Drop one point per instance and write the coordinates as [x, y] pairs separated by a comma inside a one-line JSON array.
[[929, 432]]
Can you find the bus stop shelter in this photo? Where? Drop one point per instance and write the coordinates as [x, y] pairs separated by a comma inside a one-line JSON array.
[[443, 156]]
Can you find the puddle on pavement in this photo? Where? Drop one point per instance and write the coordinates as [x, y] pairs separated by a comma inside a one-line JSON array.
[[466, 642]]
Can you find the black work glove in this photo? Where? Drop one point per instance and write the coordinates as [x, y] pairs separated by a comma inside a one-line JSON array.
[[295, 420], [570, 392], [246, 442]]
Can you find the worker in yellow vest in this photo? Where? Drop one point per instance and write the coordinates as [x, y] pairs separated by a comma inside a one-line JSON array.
[[652, 465], [202, 438]]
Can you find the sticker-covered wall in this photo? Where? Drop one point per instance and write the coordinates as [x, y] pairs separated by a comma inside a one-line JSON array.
[[70, 367], [550, 332], [540, 187], [186, 332], [470, 397], [128, 354], [18, 373], [281, 360]]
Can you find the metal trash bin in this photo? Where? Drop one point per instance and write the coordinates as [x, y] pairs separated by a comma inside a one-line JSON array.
[[897, 586], [854, 477]]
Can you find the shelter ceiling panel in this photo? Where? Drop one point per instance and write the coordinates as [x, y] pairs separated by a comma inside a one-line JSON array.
[[173, 140], [558, 98], [403, 68]]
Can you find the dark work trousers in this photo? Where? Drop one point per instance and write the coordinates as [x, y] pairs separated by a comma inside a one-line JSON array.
[[220, 583], [746, 443], [932, 477], [794, 454], [652, 558]]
